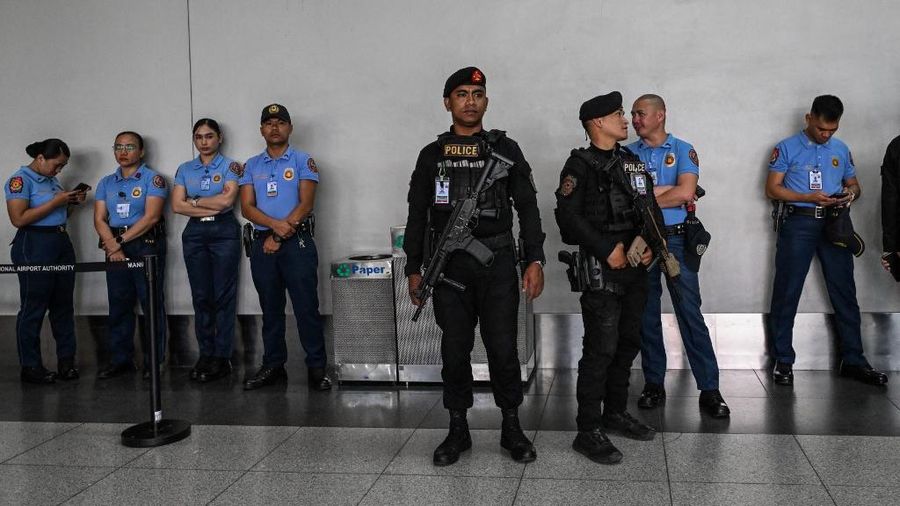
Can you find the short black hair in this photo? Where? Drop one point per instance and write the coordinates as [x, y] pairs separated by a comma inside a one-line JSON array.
[[211, 123], [48, 148], [133, 134], [827, 107]]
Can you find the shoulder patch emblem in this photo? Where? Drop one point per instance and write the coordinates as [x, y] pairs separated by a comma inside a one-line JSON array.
[[692, 154], [835, 162], [136, 192], [670, 159], [158, 181], [568, 185], [236, 169], [775, 154], [217, 178], [288, 174], [16, 184], [311, 164]]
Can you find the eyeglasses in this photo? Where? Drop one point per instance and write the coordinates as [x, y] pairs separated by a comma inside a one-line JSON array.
[[128, 148]]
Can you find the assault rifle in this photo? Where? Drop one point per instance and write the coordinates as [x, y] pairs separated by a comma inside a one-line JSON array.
[[457, 234]]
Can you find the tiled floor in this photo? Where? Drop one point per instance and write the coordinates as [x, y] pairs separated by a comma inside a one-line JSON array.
[[826, 441]]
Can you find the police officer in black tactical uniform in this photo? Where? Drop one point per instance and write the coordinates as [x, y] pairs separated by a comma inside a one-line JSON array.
[[445, 172], [595, 210]]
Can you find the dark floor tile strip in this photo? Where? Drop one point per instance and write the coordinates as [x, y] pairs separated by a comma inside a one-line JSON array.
[[821, 481], [760, 375]]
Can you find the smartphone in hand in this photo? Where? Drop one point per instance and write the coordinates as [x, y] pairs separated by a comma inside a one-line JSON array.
[[82, 187]]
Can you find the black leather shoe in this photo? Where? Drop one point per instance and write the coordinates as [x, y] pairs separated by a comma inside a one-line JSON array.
[[596, 446], [214, 369], [201, 366], [457, 441], [318, 379], [66, 369], [113, 370], [513, 439], [37, 375], [653, 395], [712, 402], [864, 373], [626, 425], [783, 374], [266, 376]]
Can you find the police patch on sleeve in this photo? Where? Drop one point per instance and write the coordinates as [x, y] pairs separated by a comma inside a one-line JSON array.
[[775, 154], [692, 154], [568, 185], [236, 169], [158, 181], [311, 164], [16, 184]]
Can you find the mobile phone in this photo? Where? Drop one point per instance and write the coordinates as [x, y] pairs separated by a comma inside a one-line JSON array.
[[82, 187], [838, 195]]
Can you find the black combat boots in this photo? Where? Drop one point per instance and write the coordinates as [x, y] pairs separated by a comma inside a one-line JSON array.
[[513, 439], [457, 441]]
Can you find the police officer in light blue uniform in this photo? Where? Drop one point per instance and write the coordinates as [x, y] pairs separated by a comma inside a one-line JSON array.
[[37, 206], [675, 168], [277, 194], [811, 172], [205, 190], [128, 218]]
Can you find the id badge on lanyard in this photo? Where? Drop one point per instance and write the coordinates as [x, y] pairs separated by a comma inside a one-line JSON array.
[[272, 189], [204, 183], [123, 209], [815, 179], [639, 183], [441, 190]]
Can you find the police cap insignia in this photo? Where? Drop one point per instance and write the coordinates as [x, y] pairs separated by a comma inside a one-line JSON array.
[[467, 75], [670, 159], [311, 164], [568, 185], [600, 106], [275, 111], [775, 153], [692, 154], [236, 169], [835, 162], [158, 181], [16, 184]]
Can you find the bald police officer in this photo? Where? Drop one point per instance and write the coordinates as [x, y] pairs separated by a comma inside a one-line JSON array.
[[813, 171], [595, 210], [445, 172], [278, 189]]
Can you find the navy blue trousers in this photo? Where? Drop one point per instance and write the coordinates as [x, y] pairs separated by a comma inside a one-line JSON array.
[[212, 252], [40, 292], [293, 268], [799, 238]]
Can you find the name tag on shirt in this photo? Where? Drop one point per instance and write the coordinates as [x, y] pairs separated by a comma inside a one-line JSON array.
[[815, 180], [123, 209], [441, 190], [272, 188], [204, 183]]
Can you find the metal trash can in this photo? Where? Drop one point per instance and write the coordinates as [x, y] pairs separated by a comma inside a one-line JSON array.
[[365, 338]]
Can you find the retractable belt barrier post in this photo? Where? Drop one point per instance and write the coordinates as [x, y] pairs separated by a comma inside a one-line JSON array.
[[158, 431]]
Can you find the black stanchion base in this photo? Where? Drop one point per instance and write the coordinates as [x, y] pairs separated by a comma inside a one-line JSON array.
[[167, 431]]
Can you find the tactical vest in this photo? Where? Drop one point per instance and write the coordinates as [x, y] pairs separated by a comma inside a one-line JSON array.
[[461, 161], [608, 198]]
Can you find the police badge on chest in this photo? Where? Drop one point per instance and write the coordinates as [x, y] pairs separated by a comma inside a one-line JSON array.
[[637, 176]]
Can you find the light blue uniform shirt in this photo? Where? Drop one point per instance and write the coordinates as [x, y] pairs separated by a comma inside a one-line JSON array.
[[285, 173], [665, 163], [27, 184], [117, 191], [798, 158], [201, 180]]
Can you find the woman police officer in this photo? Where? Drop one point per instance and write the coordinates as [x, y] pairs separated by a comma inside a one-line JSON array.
[[205, 190], [38, 207], [128, 217]]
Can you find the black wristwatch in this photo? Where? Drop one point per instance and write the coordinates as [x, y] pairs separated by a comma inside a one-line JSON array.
[[120, 240], [277, 238]]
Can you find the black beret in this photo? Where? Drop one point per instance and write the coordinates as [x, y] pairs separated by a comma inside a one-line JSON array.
[[275, 111], [600, 106], [468, 75]]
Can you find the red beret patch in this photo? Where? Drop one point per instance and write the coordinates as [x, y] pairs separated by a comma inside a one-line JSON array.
[[692, 154], [158, 181], [16, 184], [477, 77], [312, 165], [775, 154], [236, 169]]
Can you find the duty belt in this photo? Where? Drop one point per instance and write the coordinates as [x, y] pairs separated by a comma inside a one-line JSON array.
[[817, 212], [304, 227], [213, 218], [497, 242], [675, 229], [49, 229]]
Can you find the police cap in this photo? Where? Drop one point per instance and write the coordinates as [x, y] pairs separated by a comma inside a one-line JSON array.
[[600, 106], [275, 111], [839, 231], [468, 75]]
